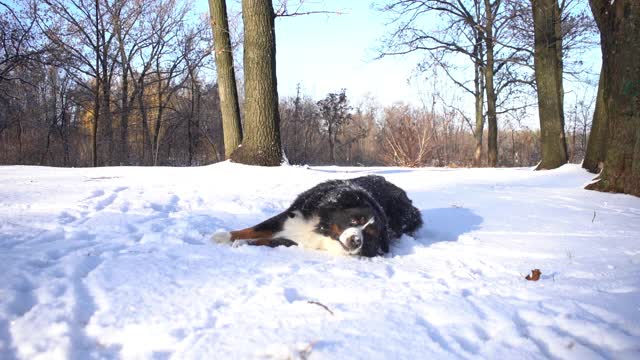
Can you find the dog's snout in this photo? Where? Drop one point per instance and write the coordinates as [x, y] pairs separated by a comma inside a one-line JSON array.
[[354, 241], [351, 239]]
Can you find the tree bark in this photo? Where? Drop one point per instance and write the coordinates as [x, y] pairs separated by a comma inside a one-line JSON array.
[[158, 124], [106, 84], [261, 145], [478, 82], [332, 145], [492, 118], [124, 94], [597, 144], [479, 103], [619, 24], [227, 90], [146, 131], [96, 100], [548, 73]]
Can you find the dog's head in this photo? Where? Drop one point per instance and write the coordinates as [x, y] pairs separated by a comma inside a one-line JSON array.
[[355, 220]]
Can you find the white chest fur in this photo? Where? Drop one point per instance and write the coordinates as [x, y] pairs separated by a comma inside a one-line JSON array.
[[301, 231]]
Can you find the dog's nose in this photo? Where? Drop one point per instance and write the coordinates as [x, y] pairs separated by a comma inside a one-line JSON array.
[[354, 241]]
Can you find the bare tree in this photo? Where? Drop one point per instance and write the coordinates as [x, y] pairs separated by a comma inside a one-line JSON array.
[[226, 76], [261, 144], [578, 125], [334, 109], [619, 24], [462, 33], [126, 17], [548, 70], [20, 45], [597, 145], [86, 49], [407, 135]]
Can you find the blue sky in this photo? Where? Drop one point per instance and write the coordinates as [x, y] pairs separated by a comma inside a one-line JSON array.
[[328, 52]]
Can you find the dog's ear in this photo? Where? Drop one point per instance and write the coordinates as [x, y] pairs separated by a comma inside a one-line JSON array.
[[376, 239], [382, 226]]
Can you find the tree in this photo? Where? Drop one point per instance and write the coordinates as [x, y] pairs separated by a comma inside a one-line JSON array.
[[597, 144], [619, 25], [491, 9], [462, 33], [85, 48], [334, 110], [19, 44], [261, 144], [407, 136], [125, 16], [227, 87], [475, 29], [548, 71]]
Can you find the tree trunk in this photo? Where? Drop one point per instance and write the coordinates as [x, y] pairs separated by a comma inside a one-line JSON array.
[[619, 24], [478, 82], [192, 114], [103, 48], [548, 72], [107, 118], [158, 125], [227, 90], [597, 144], [96, 100], [94, 130], [261, 145], [64, 132], [492, 118], [479, 129], [124, 96], [146, 139], [124, 122]]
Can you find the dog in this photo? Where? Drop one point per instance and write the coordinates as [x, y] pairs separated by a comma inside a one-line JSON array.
[[359, 216]]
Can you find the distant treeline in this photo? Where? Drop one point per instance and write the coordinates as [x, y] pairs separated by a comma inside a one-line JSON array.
[[47, 125], [129, 83]]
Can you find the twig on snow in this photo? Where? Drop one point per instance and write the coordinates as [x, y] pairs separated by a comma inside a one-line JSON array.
[[304, 353], [322, 305]]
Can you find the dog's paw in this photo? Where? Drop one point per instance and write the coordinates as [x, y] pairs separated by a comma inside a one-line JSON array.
[[221, 237], [238, 243]]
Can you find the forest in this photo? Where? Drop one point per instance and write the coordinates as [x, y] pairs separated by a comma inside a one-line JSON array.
[[124, 82]]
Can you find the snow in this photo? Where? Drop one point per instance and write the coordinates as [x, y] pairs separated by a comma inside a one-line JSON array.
[[117, 263]]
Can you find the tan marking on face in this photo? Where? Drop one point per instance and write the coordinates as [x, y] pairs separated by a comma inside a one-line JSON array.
[[335, 230]]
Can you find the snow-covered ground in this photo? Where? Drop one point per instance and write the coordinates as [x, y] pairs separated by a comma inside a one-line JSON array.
[[117, 263]]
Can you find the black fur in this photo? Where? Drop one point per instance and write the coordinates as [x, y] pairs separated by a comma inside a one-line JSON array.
[[339, 201]]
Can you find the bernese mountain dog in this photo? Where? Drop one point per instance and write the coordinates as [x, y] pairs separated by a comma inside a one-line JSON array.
[[358, 216]]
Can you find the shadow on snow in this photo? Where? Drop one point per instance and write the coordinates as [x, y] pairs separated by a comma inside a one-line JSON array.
[[441, 224]]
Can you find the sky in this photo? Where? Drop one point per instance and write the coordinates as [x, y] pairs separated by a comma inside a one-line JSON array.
[[327, 52]]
